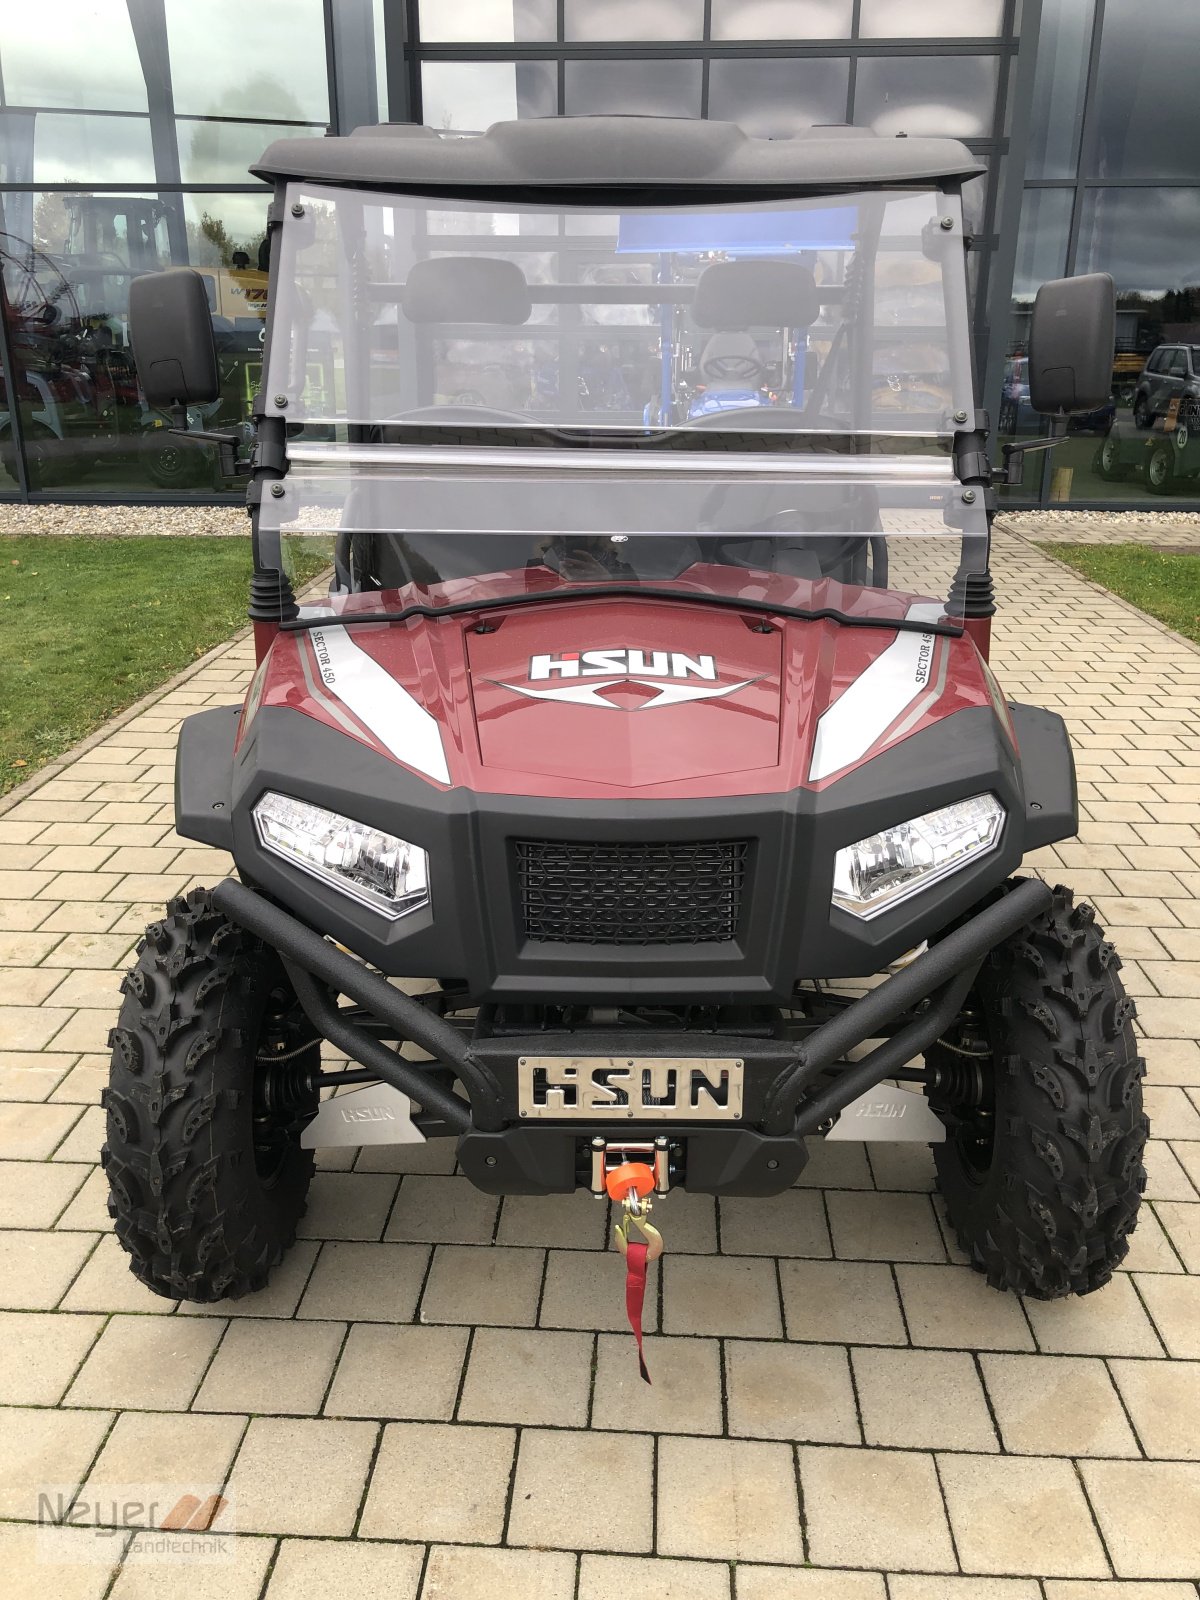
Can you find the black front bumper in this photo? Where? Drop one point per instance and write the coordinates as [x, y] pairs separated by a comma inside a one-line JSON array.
[[793, 1087], [476, 930]]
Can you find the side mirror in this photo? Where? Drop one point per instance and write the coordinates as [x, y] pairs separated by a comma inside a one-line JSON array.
[[170, 328], [1072, 339]]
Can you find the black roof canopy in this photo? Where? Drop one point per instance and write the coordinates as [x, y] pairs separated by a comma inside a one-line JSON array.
[[616, 153]]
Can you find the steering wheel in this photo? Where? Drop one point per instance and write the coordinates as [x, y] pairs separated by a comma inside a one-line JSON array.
[[768, 419], [466, 416]]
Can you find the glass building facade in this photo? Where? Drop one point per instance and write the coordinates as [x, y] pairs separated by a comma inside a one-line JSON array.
[[126, 128]]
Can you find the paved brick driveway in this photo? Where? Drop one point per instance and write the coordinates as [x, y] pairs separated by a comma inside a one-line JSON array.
[[435, 1397]]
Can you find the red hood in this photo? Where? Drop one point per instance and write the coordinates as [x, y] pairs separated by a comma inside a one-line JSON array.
[[677, 698]]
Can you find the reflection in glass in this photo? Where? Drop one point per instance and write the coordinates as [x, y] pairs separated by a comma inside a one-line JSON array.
[[927, 95], [72, 147], [272, 63], [781, 19], [1145, 99], [775, 98], [1041, 253], [932, 19], [646, 88], [9, 482], [223, 152], [1064, 38], [83, 54], [67, 261], [468, 96], [487, 21], [634, 19]]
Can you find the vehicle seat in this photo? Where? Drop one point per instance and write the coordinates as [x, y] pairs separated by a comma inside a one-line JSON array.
[[730, 360]]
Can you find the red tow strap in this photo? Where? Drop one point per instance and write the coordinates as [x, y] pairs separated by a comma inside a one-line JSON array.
[[635, 1296]]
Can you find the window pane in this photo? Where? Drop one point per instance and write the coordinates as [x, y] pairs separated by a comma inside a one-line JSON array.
[[66, 280], [272, 64], [469, 96], [487, 21], [652, 88], [222, 152], [1041, 254], [950, 95], [82, 54], [778, 97], [1146, 92], [9, 481], [634, 19], [781, 19], [932, 19], [1064, 39], [74, 148]]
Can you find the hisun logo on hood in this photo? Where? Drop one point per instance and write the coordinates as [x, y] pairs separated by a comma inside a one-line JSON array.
[[623, 679], [623, 662]]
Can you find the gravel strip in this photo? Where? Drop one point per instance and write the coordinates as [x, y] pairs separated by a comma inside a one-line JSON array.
[[104, 521], [1179, 529]]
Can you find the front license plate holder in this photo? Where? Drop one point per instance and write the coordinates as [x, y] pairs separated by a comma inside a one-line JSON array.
[[627, 1088]]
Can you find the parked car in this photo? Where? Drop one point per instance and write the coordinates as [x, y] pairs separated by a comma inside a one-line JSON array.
[[1171, 373]]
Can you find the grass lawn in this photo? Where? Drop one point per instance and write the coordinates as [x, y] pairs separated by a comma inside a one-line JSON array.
[[88, 626], [1165, 585]]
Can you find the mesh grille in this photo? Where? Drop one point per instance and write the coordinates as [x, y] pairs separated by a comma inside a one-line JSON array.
[[670, 893]]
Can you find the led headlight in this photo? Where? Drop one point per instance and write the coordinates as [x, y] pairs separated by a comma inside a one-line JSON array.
[[376, 869], [877, 873]]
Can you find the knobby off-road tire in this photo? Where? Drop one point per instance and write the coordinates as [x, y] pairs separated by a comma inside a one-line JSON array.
[[206, 1181], [1043, 1189]]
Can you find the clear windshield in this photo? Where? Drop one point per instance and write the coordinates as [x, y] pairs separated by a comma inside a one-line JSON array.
[[844, 314]]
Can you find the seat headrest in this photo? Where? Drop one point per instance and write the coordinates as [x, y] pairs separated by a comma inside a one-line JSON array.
[[466, 289], [753, 293]]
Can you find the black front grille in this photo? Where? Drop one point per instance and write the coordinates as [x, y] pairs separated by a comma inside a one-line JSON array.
[[672, 893]]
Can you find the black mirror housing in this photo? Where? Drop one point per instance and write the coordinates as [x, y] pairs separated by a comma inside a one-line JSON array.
[[170, 328], [1072, 340]]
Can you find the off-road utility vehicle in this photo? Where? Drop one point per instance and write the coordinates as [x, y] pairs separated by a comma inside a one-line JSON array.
[[641, 743]]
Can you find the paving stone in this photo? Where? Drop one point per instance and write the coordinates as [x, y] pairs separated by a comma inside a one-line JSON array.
[[37, 1268], [527, 1375], [44, 1451], [433, 1481], [40, 1353], [884, 1227], [902, 1166], [61, 1562], [1057, 1406], [602, 1577], [1149, 1514], [320, 1490], [907, 1522], [147, 1575], [371, 1282], [1009, 1512], [407, 1372], [85, 1138], [89, 1209], [480, 1285], [789, 1583], [1150, 1250], [910, 1586], [737, 1296], [841, 1300], [922, 1400], [347, 1205], [442, 1211], [345, 1569], [727, 1500], [165, 1447], [1163, 1398], [787, 1224], [840, 1165], [1067, 1590], [34, 1193], [790, 1391], [269, 1366], [684, 1396], [28, 1131], [279, 1299], [555, 1503], [105, 1283], [1182, 1224], [151, 1363], [462, 1572], [586, 1290], [954, 1308], [1110, 1322], [563, 1221]]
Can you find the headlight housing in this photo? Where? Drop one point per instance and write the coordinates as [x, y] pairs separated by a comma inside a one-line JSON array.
[[892, 865], [377, 869]]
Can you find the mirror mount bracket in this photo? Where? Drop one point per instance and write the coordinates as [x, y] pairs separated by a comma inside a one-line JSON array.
[[1012, 473], [226, 443]]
